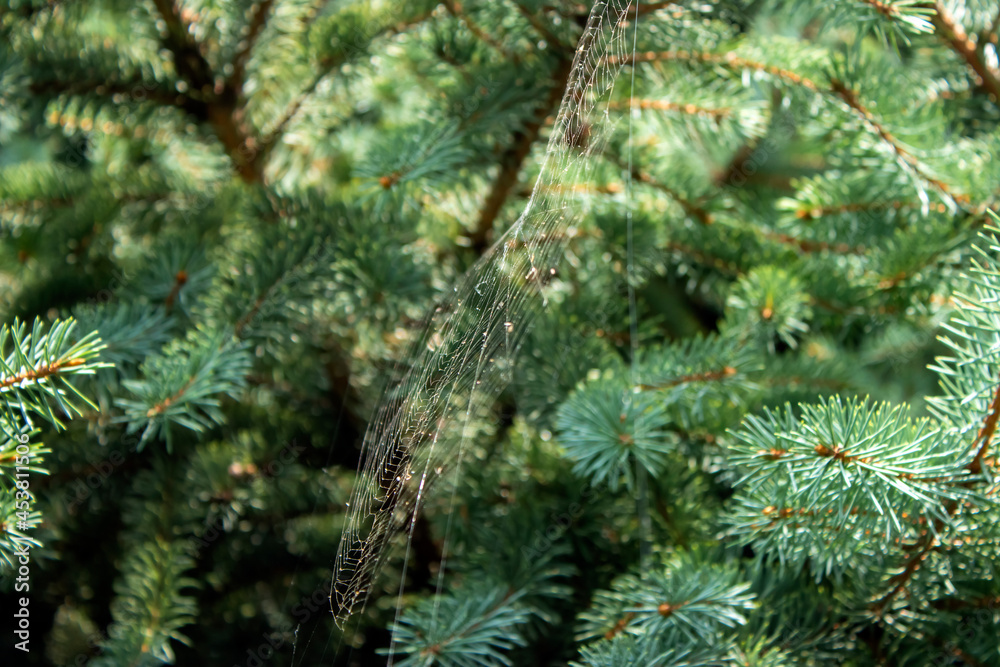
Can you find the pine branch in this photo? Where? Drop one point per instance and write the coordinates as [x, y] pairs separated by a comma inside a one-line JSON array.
[[854, 207], [850, 98], [182, 384], [954, 34], [41, 372], [513, 158], [651, 7], [716, 114], [35, 370], [883, 8], [680, 597], [540, 25], [728, 59], [455, 9], [221, 105], [180, 279], [582, 11], [992, 33], [152, 604], [484, 623], [256, 26], [737, 167], [930, 539], [326, 67], [189, 62], [807, 246], [695, 211], [109, 89], [836, 88], [983, 440], [718, 263], [707, 376]]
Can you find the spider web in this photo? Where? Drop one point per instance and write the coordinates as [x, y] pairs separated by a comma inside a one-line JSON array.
[[464, 356]]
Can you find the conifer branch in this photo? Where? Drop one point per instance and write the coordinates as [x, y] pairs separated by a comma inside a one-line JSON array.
[[930, 539], [662, 105], [326, 67], [455, 9], [162, 406], [104, 88], [220, 101], [650, 7], [189, 61], [513, 158], [910, 567], [855, 207], [539, 25], [619, 625], [737, 167], [582, 10], [836, 88], [180, 279], [725, 266], [991, 33], [256, 26], [775, 513], [985, 437], [954, 34], [41, 372], [956, 651], [729, 59], [850, 98], [807, 246], [707, 376], [695, 211], [576, 188], [885, 9]]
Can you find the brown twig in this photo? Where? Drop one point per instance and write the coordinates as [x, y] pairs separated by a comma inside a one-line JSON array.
[[930, 540], [702, 257], [455, 9], [237, 78], [539, 25], [990, 34], [162, 406], [41, 372], [707, 376], [651, 7], [850, 98], [807, 246], [662, 105], [221, 108], [836, 88], [179, 281], [885, 9], [326, 66], [695, 211], [985, 436], [729, 59], [954, 34], [854, 207], [513, 158], [619, 625]]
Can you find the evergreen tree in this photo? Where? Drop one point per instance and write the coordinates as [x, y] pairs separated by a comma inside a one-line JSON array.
[[752, 421]]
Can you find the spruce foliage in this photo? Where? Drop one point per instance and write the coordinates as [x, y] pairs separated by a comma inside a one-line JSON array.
[[754, 423]]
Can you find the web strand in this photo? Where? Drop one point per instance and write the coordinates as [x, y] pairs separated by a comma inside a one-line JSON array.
[[463, 358]]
